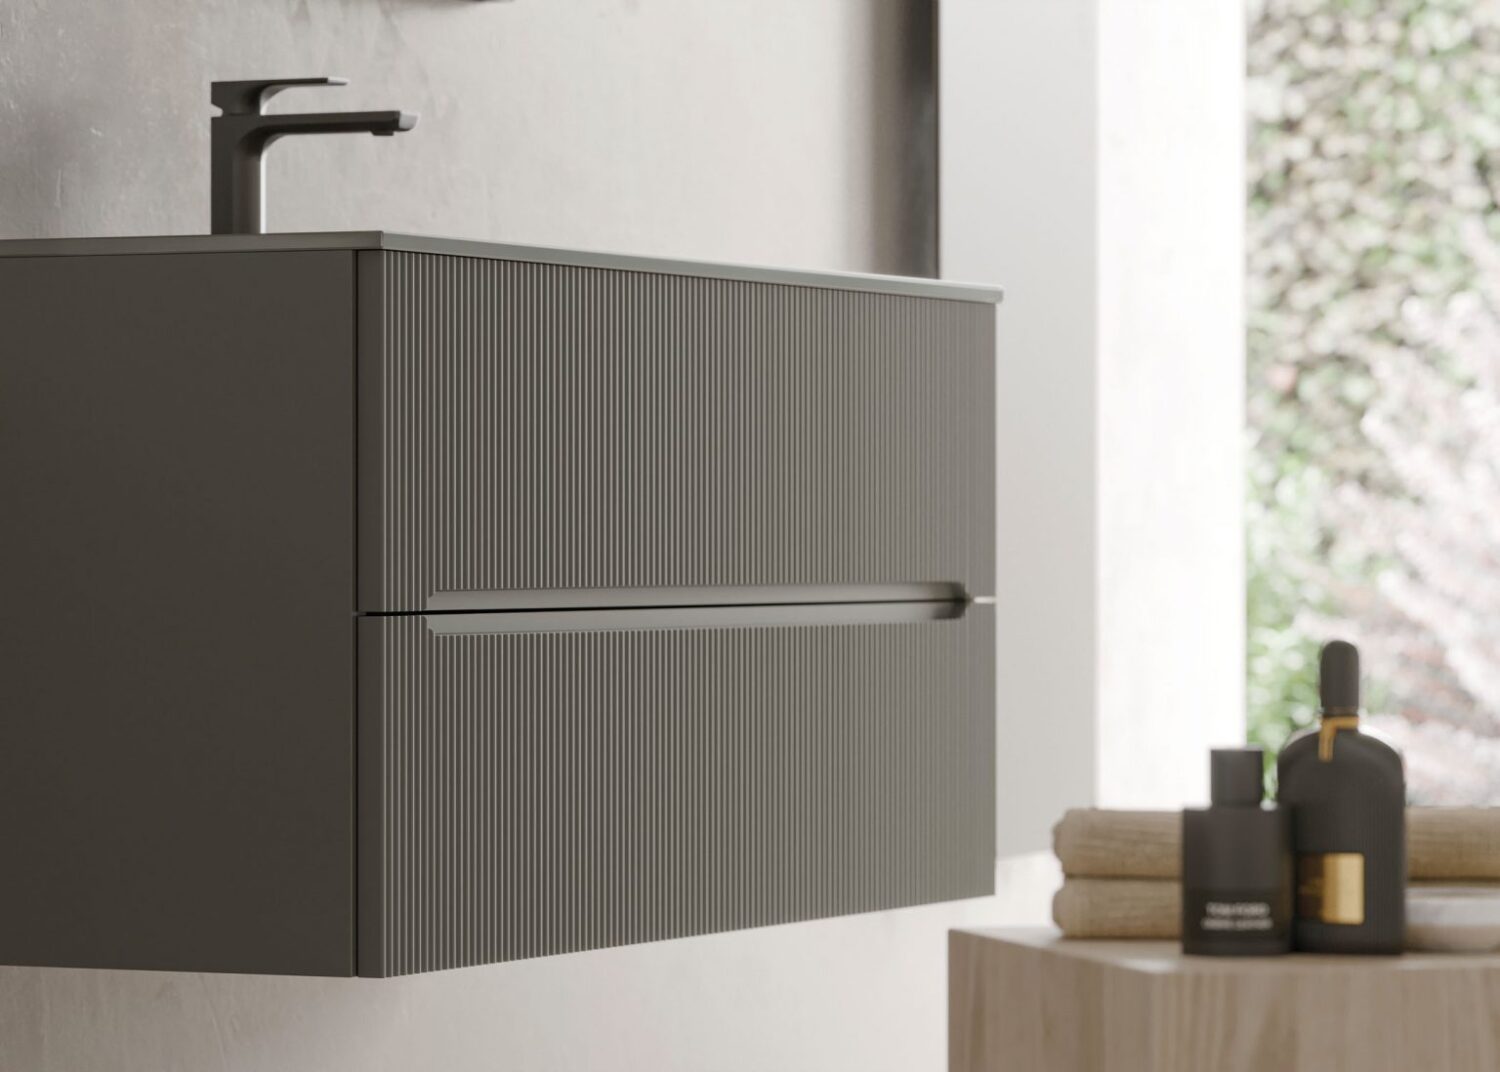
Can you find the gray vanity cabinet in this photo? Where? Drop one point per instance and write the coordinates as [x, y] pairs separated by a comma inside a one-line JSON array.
[[378, 604]]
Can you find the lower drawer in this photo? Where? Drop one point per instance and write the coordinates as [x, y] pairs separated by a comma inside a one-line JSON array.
[[523, 794]]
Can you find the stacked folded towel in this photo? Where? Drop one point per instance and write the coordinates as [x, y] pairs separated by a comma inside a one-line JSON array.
[[1122, 870]]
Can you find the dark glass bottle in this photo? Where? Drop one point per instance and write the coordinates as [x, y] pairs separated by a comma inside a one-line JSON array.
[[1236, 865], [1347, 792]]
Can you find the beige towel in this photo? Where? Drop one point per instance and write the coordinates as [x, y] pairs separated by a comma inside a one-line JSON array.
[[1118, 908], [1119, 844], [1133, 907], [1452, 844]]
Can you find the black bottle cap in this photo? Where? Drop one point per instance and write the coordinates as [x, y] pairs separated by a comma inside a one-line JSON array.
[[1338, 677], [1235, 776]]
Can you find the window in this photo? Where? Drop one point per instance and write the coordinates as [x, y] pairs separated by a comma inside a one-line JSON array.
[[1374, 373]]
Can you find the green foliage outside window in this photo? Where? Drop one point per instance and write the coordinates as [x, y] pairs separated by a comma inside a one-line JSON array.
[[1374, 372]]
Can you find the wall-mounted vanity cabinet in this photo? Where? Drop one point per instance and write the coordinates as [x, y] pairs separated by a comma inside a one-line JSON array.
[[377, 604]]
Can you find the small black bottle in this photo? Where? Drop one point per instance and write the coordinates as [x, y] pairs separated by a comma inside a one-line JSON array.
[[1347, 792], [1236, 865]]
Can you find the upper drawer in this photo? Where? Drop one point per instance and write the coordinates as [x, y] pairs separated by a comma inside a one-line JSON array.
[[552, 426]]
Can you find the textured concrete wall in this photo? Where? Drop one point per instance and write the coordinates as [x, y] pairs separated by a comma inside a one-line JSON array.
[[782, 131], [773, 131]]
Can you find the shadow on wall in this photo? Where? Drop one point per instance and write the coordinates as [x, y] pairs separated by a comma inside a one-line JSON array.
[[904, 127], [57, 1019]]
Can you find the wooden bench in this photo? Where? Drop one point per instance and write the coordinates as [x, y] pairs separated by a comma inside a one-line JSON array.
[[1032, 1001]]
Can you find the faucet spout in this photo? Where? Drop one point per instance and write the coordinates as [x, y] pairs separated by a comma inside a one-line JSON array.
[[242, 134], [271, 127]]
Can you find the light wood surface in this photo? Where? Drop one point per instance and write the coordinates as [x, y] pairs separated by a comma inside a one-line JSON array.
[[1031, 1000]]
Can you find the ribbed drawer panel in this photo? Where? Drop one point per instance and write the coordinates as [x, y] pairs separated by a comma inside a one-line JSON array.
[[550, 426], [530, 794]]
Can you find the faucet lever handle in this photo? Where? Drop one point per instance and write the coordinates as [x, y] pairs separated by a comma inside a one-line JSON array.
[[247, 97]]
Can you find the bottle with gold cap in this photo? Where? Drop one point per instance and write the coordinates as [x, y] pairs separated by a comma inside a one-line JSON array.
[[1347, 793]]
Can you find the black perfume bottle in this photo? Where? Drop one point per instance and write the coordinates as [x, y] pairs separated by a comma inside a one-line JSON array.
[[1236, 864], [1347, 792]]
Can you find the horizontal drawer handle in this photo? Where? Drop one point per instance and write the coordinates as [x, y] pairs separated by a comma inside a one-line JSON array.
[[725, 616], [711, 596], [695, 618]]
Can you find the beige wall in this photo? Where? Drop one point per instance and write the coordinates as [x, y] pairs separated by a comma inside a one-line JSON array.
[[781, 131]]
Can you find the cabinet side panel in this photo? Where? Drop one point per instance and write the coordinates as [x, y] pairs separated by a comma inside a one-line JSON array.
[[176, 644], [550, 792], [543, 426]]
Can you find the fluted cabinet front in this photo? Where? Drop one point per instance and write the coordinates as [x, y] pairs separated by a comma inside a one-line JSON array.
[[379, 604], [526, 794], [568, 453], [544, 426]]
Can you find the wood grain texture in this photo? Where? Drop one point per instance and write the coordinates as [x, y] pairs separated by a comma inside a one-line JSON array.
[[1031, 1000]]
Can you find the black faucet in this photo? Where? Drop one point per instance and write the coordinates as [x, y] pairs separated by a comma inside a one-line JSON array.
[[242, 134]]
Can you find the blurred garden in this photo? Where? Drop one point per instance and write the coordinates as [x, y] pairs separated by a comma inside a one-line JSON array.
[[1374, 373]]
